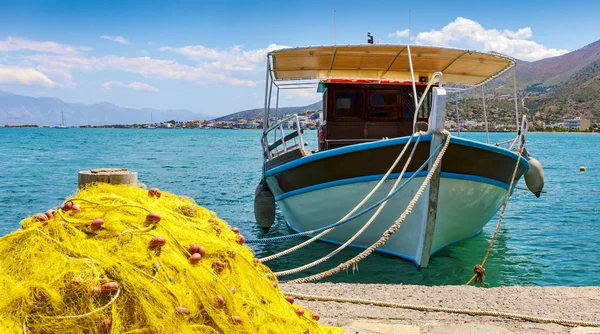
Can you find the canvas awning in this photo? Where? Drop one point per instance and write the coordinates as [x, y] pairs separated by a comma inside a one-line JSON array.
[[387, 62]]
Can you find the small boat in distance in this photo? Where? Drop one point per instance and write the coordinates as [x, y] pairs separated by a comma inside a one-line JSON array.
[[151, 125], [380, 124], [62, 125]]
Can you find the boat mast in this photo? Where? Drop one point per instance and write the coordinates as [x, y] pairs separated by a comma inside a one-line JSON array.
[[62, 115]]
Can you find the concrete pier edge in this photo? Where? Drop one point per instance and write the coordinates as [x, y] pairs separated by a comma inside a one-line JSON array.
[[571, 303]]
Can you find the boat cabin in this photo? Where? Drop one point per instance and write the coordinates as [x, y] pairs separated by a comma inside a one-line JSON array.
[[354, 113], [368, 90]]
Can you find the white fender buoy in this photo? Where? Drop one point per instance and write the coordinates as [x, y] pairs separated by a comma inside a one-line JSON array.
[[264, 206], [534, 178]]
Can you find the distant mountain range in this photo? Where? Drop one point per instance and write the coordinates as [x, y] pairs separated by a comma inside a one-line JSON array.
[[563, 86], [24, 110], [45, 111], [548, 90], [258, 113]]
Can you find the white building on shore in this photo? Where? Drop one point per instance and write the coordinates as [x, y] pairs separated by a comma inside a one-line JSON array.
[[576, 123]]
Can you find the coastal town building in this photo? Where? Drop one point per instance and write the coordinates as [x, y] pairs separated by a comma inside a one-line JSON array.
[[577, 124]]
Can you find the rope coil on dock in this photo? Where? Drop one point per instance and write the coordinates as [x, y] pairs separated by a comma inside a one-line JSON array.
[[567, 322]]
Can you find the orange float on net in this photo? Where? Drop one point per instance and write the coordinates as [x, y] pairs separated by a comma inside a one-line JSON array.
[[153, 217], [154, 192], [96, 224]]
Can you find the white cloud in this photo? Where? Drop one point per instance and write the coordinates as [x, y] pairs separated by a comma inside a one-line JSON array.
[[232, 59], [145, 66], [66, 62], [24, 76], [134, 85], [118, 39], [18, 44], [113, 84], [523, 33], [399, 33], [142, 87], [308, 94], [233, 66], [467, 33]]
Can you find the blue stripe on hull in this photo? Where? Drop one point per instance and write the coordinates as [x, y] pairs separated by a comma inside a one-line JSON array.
[[378, 177]]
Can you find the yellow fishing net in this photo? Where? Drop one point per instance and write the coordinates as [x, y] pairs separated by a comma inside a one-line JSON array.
[[121, 259]]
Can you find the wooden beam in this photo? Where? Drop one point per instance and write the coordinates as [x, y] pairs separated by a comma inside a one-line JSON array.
[[436, 124]]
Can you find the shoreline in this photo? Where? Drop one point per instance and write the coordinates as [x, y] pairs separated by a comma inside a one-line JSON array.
[[142, 128], [568, 303]]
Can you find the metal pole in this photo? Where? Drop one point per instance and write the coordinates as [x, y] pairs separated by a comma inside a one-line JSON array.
[[457, 114], [414, 87], [487, 135], [277, 106], [515, 91], [266, 113], [412, 76], [334, 40], [276, 114]]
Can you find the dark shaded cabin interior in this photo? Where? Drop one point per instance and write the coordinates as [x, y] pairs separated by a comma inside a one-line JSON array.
[[358, 113]]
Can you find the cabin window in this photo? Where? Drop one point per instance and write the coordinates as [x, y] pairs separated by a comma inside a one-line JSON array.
[[349, 104], [383, 104], [408, 108], [384, 99]]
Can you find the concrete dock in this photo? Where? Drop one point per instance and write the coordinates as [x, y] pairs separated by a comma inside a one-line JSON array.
[[572, 303]]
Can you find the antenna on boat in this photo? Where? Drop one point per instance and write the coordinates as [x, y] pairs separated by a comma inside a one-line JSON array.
[[334, 41]]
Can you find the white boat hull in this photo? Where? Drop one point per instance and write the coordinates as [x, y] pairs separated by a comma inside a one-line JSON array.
[[464, 207]]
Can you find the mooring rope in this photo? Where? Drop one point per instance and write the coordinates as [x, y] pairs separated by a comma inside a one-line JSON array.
[[364, 200], [360, 231], [341, 222], [478, 269], [445, 309], [390, 231]]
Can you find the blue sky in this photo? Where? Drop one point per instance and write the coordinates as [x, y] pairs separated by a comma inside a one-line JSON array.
[[209, 57]]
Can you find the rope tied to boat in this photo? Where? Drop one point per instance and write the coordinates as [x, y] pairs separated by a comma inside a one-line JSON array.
[[479, 273], [479, 270], [366, 225], [391, 230]]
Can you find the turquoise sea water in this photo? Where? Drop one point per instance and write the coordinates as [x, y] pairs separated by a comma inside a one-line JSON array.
[[552, 240]]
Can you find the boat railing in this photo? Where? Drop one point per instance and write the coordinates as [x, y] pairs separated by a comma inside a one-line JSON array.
[[521, 137], [282, 142]]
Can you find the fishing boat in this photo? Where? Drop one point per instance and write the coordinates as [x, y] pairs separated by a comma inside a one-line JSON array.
[[380, 101]]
